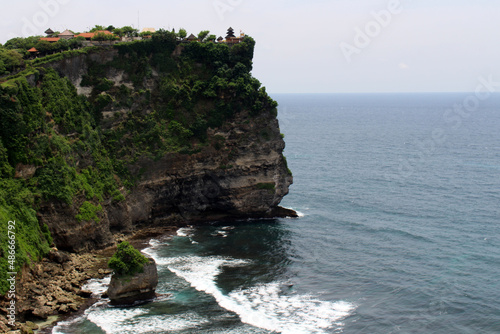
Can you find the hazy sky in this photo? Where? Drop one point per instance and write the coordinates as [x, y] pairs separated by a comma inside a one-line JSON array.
[[314, 46]]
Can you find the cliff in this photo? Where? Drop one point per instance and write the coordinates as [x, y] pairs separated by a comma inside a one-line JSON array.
[[106, 141]]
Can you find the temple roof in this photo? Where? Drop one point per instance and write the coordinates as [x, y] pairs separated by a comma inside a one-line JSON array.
[[66, 33]]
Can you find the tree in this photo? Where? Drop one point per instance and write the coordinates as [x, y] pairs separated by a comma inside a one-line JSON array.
[[203, 34], [44, 46], [211, 38], [129, 31], [97, 28], [100, 36], [76, 42], [164, 40], [146, 33], [62, 44], [127, 260], [22, 43], [182, 33], [5, 168], [110, 28], [243, 52], [3, 69], [119, 32], [11, 59]]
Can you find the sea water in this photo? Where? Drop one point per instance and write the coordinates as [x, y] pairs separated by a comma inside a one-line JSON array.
[[399, 231]]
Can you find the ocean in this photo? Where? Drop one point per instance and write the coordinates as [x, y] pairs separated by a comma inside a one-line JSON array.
[[399, 230]]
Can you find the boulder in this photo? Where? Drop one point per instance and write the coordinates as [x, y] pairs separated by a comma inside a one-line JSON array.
[[129, 290], [58, 256], [42, 312], [32, 325]]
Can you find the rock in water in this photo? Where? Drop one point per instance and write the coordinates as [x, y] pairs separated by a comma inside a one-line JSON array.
[[129, 290]]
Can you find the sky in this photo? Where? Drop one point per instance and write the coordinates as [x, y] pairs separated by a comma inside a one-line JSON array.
[[314, 46]]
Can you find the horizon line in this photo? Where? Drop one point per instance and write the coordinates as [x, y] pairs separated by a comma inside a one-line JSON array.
[[338, 93]]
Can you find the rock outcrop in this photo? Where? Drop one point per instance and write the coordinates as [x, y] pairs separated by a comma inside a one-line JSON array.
[[54, 286], [132, 290], [241, 174]]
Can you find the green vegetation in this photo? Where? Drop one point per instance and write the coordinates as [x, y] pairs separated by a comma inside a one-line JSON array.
[[35, 124], [10, 60], [100, 36], [88, 212], [286, 165], [267, 186], [82, 159], [14, 55], [127, 260]]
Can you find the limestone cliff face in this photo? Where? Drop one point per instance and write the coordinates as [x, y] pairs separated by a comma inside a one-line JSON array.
[[241, 173]]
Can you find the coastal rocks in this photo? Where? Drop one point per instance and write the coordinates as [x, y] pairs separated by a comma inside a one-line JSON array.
[[51, 287], [43, 312], [58, 256], [131, 290]]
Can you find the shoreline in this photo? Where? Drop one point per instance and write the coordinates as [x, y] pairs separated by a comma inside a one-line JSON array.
[[139, 240], [36, 284]]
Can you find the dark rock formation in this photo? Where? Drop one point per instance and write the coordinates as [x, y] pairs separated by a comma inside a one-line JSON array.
[[131, 290]]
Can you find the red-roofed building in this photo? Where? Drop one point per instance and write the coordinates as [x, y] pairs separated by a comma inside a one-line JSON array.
[[33, 50], [50, 39], [89, 35]]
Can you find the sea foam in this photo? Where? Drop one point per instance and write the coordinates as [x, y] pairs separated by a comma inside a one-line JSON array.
[[263, 306]]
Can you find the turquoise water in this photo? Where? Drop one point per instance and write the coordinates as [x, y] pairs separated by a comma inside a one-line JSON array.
[[399, 231]]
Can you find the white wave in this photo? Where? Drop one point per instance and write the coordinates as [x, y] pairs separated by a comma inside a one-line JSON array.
[[220, 233], [97, 286], [263, 306], [185, 231], [133, 320], [151, 251], [299, 213], [267, 308], [116, 320], [155, 243], [60, 327]]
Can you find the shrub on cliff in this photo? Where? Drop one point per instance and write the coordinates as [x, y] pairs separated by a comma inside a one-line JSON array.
[[127, 260]]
